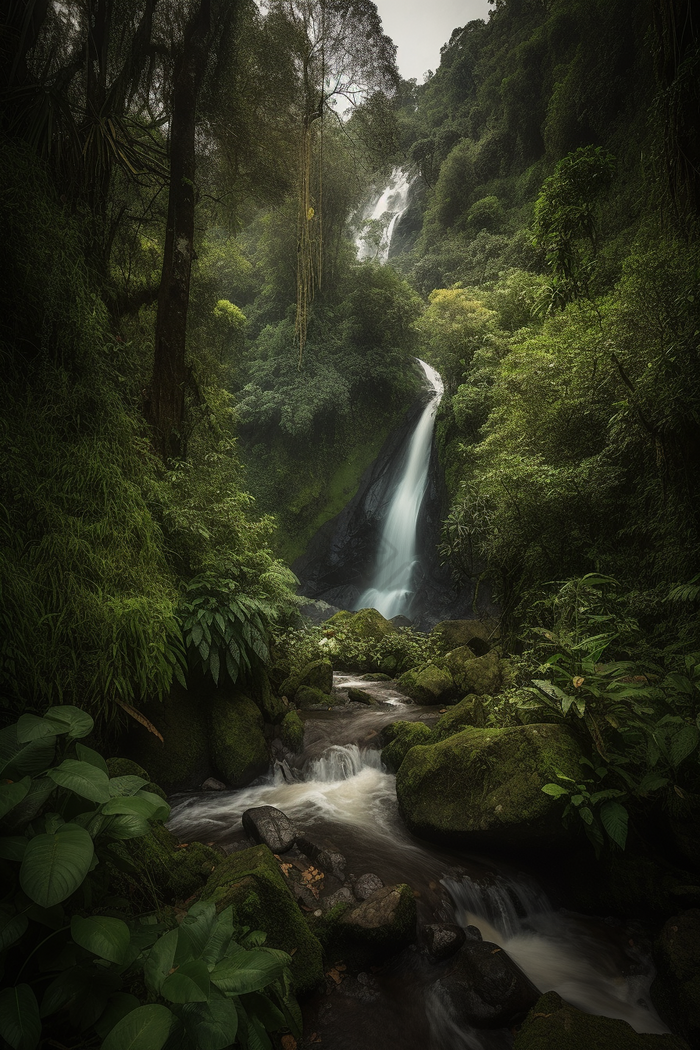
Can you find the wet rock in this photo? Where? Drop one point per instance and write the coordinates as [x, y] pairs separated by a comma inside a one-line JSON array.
[[443, 939], [361, 696], [212, 784], [341, 896], [483, 787], [318, 674], [292, 732], [238, 747], [328, 859], [404, 736], [675, 991], [364, 886], [271, 827], [309, 696], [486, 989], [554, 1023], [427, 685], [386, 920], [481, 675], [472, 933]]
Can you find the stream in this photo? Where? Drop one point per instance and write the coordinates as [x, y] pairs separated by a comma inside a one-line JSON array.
[[338, 790]]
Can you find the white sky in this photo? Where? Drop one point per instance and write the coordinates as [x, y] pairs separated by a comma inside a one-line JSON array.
[[421, 27]]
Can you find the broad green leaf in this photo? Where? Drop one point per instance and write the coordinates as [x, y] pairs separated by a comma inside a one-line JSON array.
[[82, 778], [195, 930], [124, 826], [119, 1006], [86, 754], [214, 665], [160, 960], [219, 939], [74, 981], [145, 1028], [614, 818], [127, 785], [101, 935], [162, 808], [259, 1005], [20, 1023], [32, 727], [18, 760], [683, 744], [651, 782], [38, 794], [54, 866], [601, 796], [12, 794], [12, 847], [78, 723], [12, 927], [586, 815], [554, 789], [188, 984], [250, 973], [213, 1025], [136, 805]]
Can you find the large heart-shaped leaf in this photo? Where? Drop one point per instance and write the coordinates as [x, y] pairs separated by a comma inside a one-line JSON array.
[[101, 935], [146, 1028], [160, 960], [124, 826], [119, 1006], [54, 866], [188, 984], [86, 754], [148, 806], [12, 794], [32, 727], [72, 720], [12, 927], [20, 1023], [18, 759], [82, 778], [211, 1026], [39, 792], [249, 973], [127, 785]]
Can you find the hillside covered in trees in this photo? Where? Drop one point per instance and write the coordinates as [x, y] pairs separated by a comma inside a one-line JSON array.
[[197, 372]]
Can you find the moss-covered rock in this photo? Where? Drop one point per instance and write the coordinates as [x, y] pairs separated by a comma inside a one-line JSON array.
[[675, 990], [468, 712], [366, 624], [483, 787], [361, 696], [478, 635], [553, 1024], [308, 696], [406, 736], [427, 685], [292, 732], [252, 883], [238, 747], [182, 760], [272, 706], [318, 674], [481, 675], [163, 872]]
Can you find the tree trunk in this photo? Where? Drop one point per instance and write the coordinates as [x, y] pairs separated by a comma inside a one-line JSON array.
[[165, 405]]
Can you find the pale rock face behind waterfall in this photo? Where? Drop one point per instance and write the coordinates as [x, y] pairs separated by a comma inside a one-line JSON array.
[[391, 589]]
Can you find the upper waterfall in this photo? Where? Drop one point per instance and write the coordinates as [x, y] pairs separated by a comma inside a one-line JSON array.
[[391, 589], [379, 218]]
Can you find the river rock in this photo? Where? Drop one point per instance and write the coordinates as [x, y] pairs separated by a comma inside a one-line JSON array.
[[477, 635], [481, 675], [553, 1023], [486, 989], [364, 886], [443, 939], [237, 742], [330, 860], [342, 896], [291, 732], [212, 784], [271, 827], [386, 921], [675, 990], [366, 625], [361, 696], [482, 788], [427, 685], [318, 674], [468, 712], [308, 696], [405, 736]]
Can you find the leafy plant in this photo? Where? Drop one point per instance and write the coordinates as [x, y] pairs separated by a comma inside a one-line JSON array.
[[599, 808]]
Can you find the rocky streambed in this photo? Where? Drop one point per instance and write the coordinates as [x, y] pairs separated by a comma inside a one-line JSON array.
[[403, 944]]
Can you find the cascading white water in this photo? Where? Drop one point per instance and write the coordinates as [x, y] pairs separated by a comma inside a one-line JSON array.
[[390, 591], [388, 206]]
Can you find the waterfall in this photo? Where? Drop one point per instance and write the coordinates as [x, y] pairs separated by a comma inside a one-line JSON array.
[[391, 590], [386, 208]]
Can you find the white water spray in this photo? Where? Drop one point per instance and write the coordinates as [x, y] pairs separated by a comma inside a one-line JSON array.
[[391, 590], [389, 206]]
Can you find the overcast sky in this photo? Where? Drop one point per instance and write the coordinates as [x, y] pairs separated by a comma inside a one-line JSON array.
[[421, 27]]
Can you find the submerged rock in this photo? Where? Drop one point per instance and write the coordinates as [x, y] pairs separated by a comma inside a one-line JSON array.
[[212, 784], [271, 827], [486, 989], [330, 860], [483, 787], [553, 1023], [427, 685]]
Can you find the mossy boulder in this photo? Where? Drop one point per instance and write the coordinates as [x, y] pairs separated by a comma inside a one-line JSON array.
[[468, 712], [361, 696], [553, 1023], [238, 747], [483, 787], [292, 732], [308, 696], [366, 625], [272, 706], [478, 635], [675, 991], [385, 922], [481, 675], [318, 674], [162, 871], [406, 736], [427, 685], [250, 880], [182, 760]]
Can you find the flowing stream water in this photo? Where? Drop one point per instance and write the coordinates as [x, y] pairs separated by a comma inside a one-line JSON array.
[[338, 791], [391, 589]]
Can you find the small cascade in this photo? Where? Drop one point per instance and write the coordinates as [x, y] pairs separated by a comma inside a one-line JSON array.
[[387, 209], [391, 589], [341, 762]]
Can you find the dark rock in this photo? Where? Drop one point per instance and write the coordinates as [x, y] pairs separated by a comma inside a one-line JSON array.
[[238, 746], [318, 674], [212, 784], [341, 896], [386, 920], [477, 634], [361, 696], [472, 933], [553, 1023], [271, 827], [428, 685], [486, 989], [328, 859], [675, 991], [364, 886], [443, 939]]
